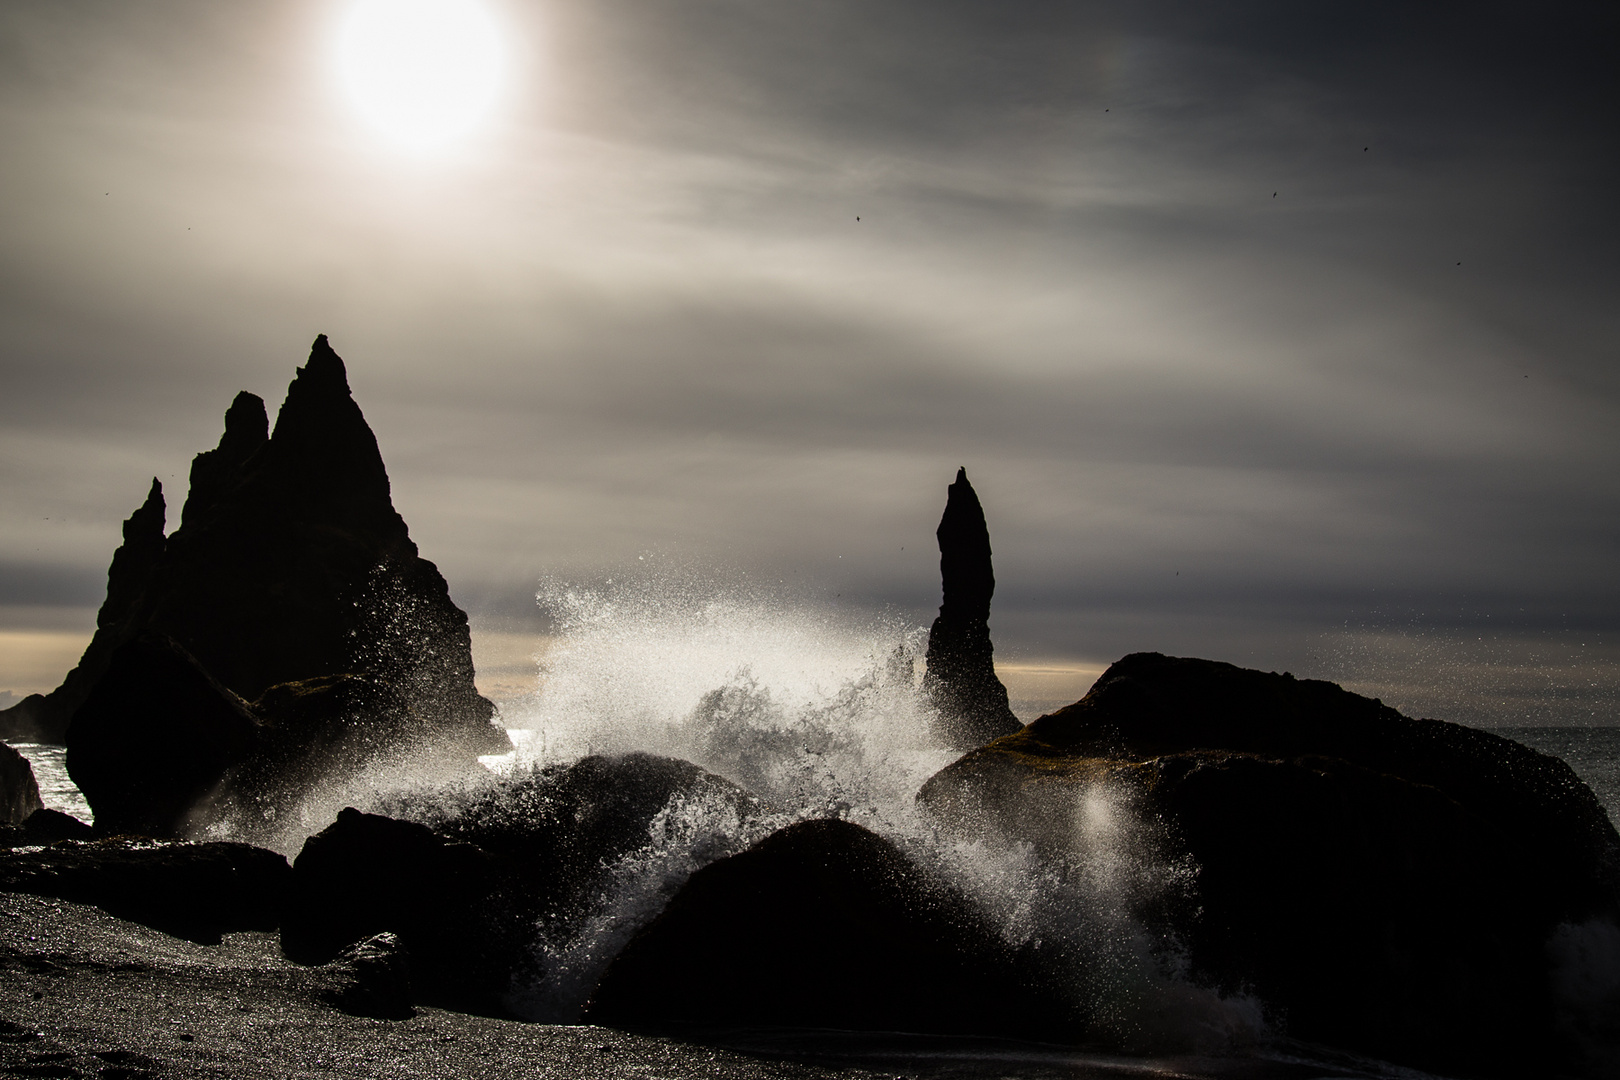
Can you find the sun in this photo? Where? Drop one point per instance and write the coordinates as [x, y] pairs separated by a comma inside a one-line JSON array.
[[421, 73]]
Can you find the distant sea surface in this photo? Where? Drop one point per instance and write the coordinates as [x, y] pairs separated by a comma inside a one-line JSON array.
[[1593, 752]]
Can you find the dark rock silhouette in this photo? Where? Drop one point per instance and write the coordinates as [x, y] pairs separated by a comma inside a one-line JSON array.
[[44, 826], [961, 677], [45, 716], [471, 885], [371, 978], [247, 430], [194, 891], [367, 874], [156, 734], [19, 792], [1384, 884], [290, 564], [822, 924]]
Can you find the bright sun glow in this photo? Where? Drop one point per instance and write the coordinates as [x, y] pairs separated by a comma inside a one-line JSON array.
[[420, 72]]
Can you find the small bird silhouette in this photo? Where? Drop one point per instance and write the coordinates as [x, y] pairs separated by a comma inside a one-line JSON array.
[[1273, 194], [857, 217]]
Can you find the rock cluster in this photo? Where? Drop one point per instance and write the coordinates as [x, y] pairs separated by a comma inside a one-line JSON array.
[[290, 566], [1383, 884], [970, 701]]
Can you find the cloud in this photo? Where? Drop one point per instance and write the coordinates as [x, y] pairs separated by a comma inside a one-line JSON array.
[[639, 314]]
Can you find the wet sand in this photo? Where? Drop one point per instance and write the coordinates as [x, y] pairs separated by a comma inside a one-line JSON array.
[[86, 995]]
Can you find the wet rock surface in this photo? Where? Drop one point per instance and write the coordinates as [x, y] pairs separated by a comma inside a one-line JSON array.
[[961, 676], [823, 924], [372, 978], [19, 792], [156, 735], [367, 874], [500, 867], [1384, 884], [194, 891], [44, 826]]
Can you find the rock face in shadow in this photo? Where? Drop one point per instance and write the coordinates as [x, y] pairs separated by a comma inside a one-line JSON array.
[[473, 886], [194, 891], [44, 826], [961, 677], [19, 792], [366, 874], [44, 717], [290, 564], [822, 924], [1383, 884], [291, 568], [156, 734]]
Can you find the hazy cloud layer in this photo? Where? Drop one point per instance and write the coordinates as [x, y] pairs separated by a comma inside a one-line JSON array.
[[1251, 324]]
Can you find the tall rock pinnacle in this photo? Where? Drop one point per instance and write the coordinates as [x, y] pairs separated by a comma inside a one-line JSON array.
[[961, 680]]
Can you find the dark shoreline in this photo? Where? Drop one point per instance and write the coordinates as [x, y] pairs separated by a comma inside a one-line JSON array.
[[86, 994]]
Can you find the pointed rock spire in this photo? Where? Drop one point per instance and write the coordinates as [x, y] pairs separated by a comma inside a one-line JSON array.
[[247, 429], [960, 680]]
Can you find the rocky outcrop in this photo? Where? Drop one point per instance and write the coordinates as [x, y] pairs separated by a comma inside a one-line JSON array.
[[292, 582], [44, 717], [290, 564], [822, 924], [19, 792], [475, 882], [1383, 884], [960, 680], [156, 735], [194, 891]]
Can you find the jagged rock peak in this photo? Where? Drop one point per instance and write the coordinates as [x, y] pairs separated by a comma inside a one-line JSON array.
[[323, 450], [247, 429], [148, 519], [134, 563], [247, 426], [324, 368]]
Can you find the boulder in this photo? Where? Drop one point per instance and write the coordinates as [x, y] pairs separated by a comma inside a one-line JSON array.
[[370, 978], [960, 680], [290, 564], [1383, 884], [480, 877], [44, 826], [822, 924], [194, 891], [154, 737], [19, 792], [367, 874]]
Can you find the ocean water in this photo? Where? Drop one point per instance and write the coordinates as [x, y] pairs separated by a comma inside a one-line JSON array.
[[1593, 752], [56, 791]]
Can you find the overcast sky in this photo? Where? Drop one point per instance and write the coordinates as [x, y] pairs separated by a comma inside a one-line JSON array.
[[1279, 333]]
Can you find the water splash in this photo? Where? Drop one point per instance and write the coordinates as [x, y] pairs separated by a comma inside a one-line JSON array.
[[822, 715]]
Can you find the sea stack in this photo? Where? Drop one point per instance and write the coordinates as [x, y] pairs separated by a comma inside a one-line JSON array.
[[290, 564], [961, 681]]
